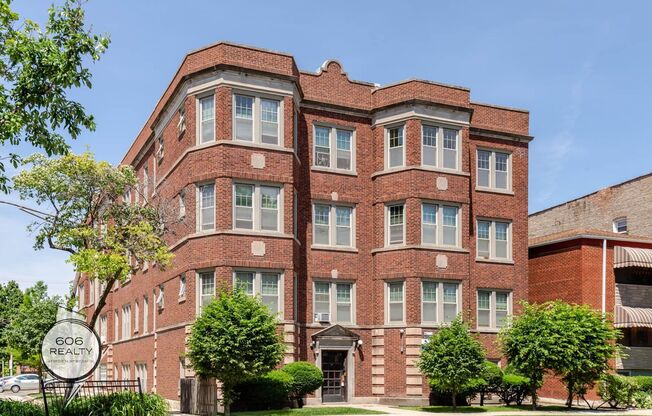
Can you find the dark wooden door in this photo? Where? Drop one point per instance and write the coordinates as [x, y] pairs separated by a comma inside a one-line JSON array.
[[333, 365]]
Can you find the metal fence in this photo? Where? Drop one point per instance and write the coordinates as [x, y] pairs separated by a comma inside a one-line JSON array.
[[56, 393]]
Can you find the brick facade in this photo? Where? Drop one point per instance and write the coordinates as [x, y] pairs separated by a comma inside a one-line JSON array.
[[382, 365]]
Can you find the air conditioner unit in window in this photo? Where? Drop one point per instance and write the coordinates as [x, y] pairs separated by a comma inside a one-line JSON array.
[[322, 317]]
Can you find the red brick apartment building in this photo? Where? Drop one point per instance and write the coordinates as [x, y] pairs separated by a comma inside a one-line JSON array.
[[365, 216], [607, 265]]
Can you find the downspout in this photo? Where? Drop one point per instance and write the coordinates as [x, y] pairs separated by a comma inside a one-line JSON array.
[[604, 276]]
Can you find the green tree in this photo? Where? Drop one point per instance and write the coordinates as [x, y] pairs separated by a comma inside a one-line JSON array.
[[11, 297], [452, 358], [38, 69], [30, 322], [87, 217], [234, 340]]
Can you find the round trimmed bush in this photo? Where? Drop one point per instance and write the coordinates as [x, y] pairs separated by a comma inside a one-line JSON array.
[[307, 377], [270, 391]]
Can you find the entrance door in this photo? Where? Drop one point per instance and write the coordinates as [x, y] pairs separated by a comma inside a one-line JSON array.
[[333, 365]]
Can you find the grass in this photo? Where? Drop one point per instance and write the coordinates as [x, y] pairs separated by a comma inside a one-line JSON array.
[[312, 411], [484, 409]]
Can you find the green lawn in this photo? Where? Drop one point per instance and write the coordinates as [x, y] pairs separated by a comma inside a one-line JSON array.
[[484, 409], [310, 411]]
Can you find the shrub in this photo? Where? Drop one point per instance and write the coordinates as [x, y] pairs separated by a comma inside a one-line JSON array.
[[492, 375], [307, 377], [642, 400], [11, 407], [117, 404], [644, 383], [617, 390], [513, 388], [268, 392]]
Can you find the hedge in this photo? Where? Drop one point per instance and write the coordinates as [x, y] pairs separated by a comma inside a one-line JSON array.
[[14, 408], [644, 383], [270, 391]]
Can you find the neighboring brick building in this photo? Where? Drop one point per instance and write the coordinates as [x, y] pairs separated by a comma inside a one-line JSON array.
[[624, 207], [607, 265], [366, 216]]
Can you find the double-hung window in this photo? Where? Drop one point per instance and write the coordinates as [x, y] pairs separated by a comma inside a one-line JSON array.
[[333, 148], [493, 240], [395, 224], [439, 301], [439, 224], [337, 232], [103, 328], [439, 147], [395, 303], [493, 308], [620, 225], [257, 207], [206, 286], [141, 374], [256, 119], [450, 148], [126, 321], [206, 197], [207, 119], [145, 314], [161, 149], [126, 372], [265, 284], [394, 143], [337, 308], [494, 170], [182, 287]]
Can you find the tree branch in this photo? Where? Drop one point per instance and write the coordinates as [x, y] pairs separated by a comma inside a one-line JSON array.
[[31, 211]]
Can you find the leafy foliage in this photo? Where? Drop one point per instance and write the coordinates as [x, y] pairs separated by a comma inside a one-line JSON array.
[[451, 358], [234, 340], [617, 390], [11, 407], [307, 377], [571, 341], [11, 297], [31, 321], [38, 69], [105, 237], [266, 392], [644, 383], [118, 404]]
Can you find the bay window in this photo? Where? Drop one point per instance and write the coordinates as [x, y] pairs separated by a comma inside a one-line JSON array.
[[266, 284], [395, 302], [439, 224], [439, 147], [206, 119], [256, 119], [395, 153], [395, 224], [206, 288], [206, 207], [256, 207]]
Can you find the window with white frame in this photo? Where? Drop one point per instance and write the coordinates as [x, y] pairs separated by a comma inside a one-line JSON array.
[[81, 300], [102, 372], [295, 130], [126, 321], [295, 213], [160, 152], [103, 328], [126, 372], [439, 301], [206, 286], [181, 124], [395, 224], [395, 304], [333, 233], [182, 204], [182, 286], [434, 138], [333, 148], [206, 119], [337, 308], [265, 284], [206, 209], [394, 143], [493, 239], [257, 119], [116, 325], [160, 299], [439, 224], [145, 184], [141, 375], [620, 225], [493, 308], [145, 314], [256, 207], [136, 316], [494, 170]]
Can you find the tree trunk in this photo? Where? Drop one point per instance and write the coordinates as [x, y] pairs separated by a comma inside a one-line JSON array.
[[454, 400], [533, 393], [102, 301], [569, 399]]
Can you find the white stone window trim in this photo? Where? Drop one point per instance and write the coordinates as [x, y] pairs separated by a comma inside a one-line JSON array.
[[492, 308], [492, 240], [258, 284], [257, 206], [198, 206], [492, 170], [333, 148], [440, 224], [198, 287], [256, 129], [332, 300], [387, 207], [388, 322], [440, 300], [198, 114], [387, 128], [439, 167], [332, 225]]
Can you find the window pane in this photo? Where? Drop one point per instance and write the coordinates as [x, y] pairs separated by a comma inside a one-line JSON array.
[[395, 301], [207, 207], [396, 312], [395, 157], [344, 149], [484, 318], [501, 170], [395, 146], [483, 168], [343, 292], [396, 292], [269, 290], [244, 206], [269, 120], [450, 293], [430, 312], [429, 147], [450, 149], [322, 146], [207, 117], [269, 208], [396, 224], [450, 226], [484, 300], [245, 281], [343, 299], [429, 223], [483, 238], [322, 297], [322, 223], [244, 110], [430, 291], [343, 226], [501, 239], [344, 313], [501, 301]]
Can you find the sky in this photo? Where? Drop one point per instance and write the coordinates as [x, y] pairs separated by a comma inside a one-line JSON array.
[[581, 68]]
